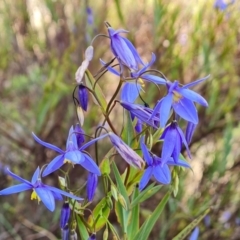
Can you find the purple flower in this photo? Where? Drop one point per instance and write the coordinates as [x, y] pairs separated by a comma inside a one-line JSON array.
[[130, 92], [65, 233], [83, 97], [156, 167], [65, 215], [220, 4], [194, 235], [91, 185], [123, 49], [173, 139], [41, 192], [131, 157], [142, 113], [73, 154], [181, 100], [90, 18]]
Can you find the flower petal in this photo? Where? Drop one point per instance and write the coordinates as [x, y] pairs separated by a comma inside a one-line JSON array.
[[189, 85], [59, 191], [145, 152], [186, 110], [180, 162], [91, 185], [72, 139], [90, 165], [48, 145], [16, 189], [193, 96], [130, 92], [36, 175], [154, 79], [74, 156], [46, 197], [166, 104], [145, 178], [162, 174], [110, 69], [184, 141], [93, 141], [55, 164], [17, 177]]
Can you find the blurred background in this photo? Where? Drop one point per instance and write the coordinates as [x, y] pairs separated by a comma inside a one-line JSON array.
[[42, 45]]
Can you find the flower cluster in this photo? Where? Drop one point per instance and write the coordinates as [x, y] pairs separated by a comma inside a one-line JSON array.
[[164, 117]]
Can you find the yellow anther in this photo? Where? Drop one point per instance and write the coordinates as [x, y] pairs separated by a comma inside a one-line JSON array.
[[35, 196], [176, 96], [66, 161], [141, 82]]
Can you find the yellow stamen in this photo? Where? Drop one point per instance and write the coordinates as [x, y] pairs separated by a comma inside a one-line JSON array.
[[176, 96], [66, 161], [141, 82], [35, 196]]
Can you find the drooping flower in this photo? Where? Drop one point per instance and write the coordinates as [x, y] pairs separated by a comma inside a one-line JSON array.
[[130, 156], [65, 233], [181, 100], [173, 139], [142, 113], [73, 154], [41, 191], [123, 49], [195, 233], [83, 97], [65, 214], [156, 167], [91, 185]]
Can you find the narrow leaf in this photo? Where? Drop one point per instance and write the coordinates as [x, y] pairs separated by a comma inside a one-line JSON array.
[[148, 225], [82, 228], [182, 235]]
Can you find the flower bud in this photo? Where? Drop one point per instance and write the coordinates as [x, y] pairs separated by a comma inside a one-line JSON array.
[[80, 115], [83, 97], [73, 235], [122, 201], [65, 214], [92, 237], [79, 135], [105, 234]]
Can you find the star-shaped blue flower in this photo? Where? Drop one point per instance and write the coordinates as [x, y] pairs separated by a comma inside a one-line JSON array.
[[41, 192], [181, 99], [173, 139], [72, 154], [123, 49], [156, 167]]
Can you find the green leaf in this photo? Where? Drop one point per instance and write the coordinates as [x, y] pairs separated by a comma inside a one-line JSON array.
[[128, 131], [120, 184], [145, 194], [191, 226], [99, 216], [82, 228], [133, 226], [105, 166], [148, 225], [113, 230], [101, 100]]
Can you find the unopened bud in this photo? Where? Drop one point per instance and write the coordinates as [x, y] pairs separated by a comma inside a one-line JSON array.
[[65, 214], [109, 202], [79, 135], [65, 233], [80, 115], [105, 234], [92, 237], [83, 97], [122, 201]]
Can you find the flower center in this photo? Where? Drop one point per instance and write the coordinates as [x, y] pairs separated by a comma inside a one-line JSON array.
[[176, 96], [35, 196], [67, 161]]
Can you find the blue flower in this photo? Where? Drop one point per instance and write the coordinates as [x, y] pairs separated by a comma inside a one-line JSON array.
[[142, 113], [173, 139], [194, 235], [73, 154], [41, 192], [91, 185], [123, 49], [79, 135], [131, 157], [221, 5], [92, 237], [156, 167], [181, 100], [65, 215]]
